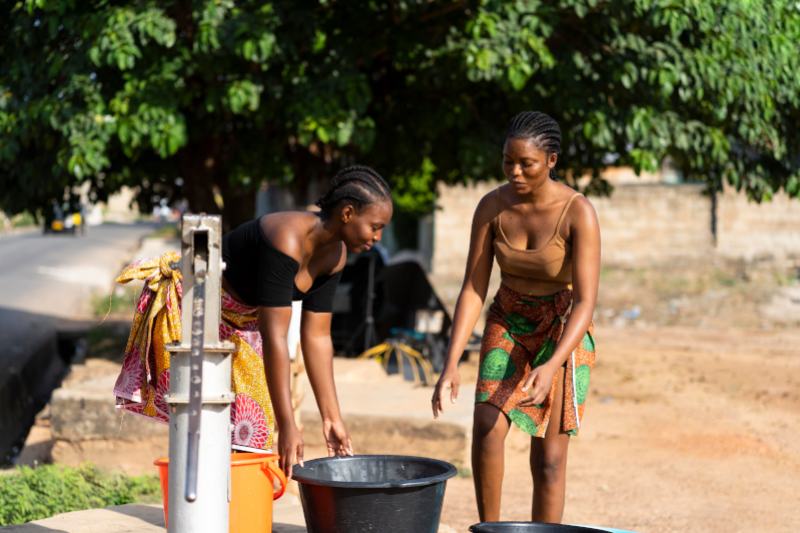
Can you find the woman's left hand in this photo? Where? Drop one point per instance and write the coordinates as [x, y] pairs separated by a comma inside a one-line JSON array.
[[540, 381], [337, 438]]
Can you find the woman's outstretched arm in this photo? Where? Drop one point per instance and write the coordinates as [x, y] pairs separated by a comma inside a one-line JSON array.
[[273, 323], [315, 339], [470, 301], [585, 232]]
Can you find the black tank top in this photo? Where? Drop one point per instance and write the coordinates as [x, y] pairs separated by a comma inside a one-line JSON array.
[[263, 275]]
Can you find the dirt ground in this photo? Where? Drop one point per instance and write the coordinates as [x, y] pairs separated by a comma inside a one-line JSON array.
[[693, 418], [693, 421], [686, 430]]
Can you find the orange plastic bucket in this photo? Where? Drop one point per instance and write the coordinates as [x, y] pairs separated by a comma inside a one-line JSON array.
[[252, 490]]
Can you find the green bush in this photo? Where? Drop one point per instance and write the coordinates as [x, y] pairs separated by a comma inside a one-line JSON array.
[[122, 300], [167, 231], [24, 220], [32, 494]]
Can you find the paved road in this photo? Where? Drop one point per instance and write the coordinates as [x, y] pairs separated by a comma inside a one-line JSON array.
[[53, 274], [43, 281]]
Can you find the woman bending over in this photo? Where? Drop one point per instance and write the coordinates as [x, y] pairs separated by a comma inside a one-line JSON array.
[[271, 261], [538, 347]]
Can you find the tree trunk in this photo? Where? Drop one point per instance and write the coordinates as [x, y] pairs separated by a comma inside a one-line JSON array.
[[239, 206], [301, 180], [193, 163]]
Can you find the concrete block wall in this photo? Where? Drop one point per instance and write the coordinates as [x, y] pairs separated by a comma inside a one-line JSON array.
[[452, 226], [653, 224], [751, 232], [643, 225]]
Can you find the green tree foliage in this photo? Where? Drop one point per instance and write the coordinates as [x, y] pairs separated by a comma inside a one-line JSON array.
[[227, 93], [30, 494]]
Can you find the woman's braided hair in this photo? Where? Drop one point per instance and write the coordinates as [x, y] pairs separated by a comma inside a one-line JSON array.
[[539, 129], [357, 185]]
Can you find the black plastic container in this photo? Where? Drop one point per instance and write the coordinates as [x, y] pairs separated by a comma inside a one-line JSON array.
[[373, 493], [529, 527]]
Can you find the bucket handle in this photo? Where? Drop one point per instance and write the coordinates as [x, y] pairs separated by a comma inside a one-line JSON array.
[[273, 466]]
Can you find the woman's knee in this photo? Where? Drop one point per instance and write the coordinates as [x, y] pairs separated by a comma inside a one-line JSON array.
[[489, 422], [549, 466]]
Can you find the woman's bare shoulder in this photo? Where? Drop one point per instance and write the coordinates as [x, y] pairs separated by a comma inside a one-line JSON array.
[[286, 231], [584, 206], [582, 213], [487, 207]]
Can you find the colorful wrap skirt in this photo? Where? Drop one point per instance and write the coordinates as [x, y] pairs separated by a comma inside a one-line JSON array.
[[521, 333], [144, 380]]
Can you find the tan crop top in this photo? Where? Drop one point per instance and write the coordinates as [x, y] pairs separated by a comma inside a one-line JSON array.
[[541, 272]]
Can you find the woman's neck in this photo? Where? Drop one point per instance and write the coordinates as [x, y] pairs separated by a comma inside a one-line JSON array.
[[323, 233], [539, 193]]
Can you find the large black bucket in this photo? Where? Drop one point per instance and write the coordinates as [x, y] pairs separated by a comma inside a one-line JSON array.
[[373, 493], [529, 527]]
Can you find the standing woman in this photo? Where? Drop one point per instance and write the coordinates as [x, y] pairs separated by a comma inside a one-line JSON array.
[[538, 346], [271, 261]]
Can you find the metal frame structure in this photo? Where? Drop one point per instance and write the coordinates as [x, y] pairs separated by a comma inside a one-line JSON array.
[[200, 394]]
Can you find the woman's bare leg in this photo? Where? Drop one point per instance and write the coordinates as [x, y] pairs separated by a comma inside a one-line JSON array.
[[549, 464], [489, 430]]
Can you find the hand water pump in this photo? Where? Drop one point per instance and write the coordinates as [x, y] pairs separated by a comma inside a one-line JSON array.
[[200, 394]]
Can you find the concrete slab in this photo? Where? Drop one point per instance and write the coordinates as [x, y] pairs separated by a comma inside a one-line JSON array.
[[387, 415], [85, 426], [131, 518], [85, 411], [134, 518], [384, 414]]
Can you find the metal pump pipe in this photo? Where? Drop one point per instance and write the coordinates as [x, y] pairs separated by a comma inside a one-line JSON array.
[[200, 394]]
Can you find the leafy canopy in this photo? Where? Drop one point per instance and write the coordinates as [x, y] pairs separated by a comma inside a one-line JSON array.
[[228, 93]]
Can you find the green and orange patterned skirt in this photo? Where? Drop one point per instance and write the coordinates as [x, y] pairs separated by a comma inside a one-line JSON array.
[[521, 333]]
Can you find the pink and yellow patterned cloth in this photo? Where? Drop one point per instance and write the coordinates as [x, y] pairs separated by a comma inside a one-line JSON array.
[[144, 380]]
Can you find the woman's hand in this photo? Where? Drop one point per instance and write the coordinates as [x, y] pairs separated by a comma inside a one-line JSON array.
[[290, 448], [450, 379], [540, 381], [337, 438]]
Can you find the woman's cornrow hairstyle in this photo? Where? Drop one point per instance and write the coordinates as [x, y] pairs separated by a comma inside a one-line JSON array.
[[538, 128], [357, 185]]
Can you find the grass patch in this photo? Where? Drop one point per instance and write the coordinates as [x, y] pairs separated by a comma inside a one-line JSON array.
[[168, 231], [23, 220], [463, 471], [121, 301], [721, 278], [33, 494], [108, 341]]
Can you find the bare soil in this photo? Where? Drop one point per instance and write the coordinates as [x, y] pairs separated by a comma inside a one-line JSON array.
[[693, 418], [685, 430]]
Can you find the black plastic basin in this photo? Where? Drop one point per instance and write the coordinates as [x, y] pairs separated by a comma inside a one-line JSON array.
[[373, 493], [529, 527]]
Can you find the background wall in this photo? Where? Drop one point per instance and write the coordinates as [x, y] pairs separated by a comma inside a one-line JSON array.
[[646, 224], [752, 232]]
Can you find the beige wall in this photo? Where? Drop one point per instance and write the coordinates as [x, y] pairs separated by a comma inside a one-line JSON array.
[[121, 207], [645, 224], [452, 226], [767, 231], [652, 224]]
